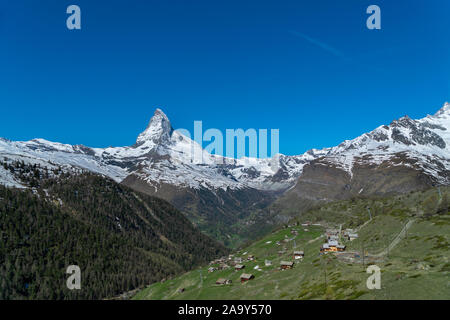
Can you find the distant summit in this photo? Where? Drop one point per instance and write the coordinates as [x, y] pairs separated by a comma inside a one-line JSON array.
[[445, 110], [158, 130]]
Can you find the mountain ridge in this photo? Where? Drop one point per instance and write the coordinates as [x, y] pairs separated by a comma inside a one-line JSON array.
[[400, 157]]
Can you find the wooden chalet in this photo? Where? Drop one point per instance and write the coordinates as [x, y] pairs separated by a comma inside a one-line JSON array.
[[222, 281], [239, 267], [298, 255], [246, 277], [286, 264]]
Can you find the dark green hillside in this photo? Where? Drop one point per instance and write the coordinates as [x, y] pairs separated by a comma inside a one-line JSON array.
[[121, 239]]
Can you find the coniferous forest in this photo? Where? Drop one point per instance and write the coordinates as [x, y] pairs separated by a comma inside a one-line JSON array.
[[120, 239]]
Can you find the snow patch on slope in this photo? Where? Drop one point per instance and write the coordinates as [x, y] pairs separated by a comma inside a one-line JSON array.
[[7, 179]]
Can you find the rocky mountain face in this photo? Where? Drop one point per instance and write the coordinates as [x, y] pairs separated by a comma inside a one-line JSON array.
[[405, 156], [224, 196], [218, 194]]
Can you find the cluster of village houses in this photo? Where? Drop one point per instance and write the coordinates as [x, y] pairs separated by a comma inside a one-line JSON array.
[[332, 245], [238, 262], [238, 265], [333, 236]]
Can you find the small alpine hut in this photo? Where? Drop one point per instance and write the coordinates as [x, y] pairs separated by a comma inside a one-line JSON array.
[[223, 266], [222, 281], [352, 236], [332, 246], [246, 277], [325, 248], [286, 265], [298, 255], [239, 267]]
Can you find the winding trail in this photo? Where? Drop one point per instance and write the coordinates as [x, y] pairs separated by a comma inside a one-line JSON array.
[[363, 225], [397, 239], [403, 232]]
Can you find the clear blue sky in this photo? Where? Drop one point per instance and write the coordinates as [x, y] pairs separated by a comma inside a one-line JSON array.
[[310, 68]]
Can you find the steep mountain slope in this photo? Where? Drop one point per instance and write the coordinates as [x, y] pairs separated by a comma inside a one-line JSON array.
[[226, 196], [120, 239], [218, 193], [164, 156], [405, 156], [416, 267], [424, 142]]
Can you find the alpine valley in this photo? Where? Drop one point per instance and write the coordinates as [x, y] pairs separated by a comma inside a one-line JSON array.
[[234, 200]]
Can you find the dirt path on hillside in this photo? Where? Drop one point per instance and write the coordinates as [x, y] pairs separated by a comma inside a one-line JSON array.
[[315, 239], [402, 233], [363, 225], [397, 239]]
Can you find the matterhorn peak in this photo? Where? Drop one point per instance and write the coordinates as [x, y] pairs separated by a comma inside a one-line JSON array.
[[445, 110], [158, 130]]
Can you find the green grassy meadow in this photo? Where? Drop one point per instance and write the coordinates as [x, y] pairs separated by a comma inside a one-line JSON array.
[[416, 268]]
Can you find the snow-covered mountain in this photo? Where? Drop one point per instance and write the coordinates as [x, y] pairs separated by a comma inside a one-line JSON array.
[[403, 156], [424, 144], [162, 155]]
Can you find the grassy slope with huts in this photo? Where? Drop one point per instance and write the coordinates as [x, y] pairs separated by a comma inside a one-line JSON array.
[[417, 267]]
